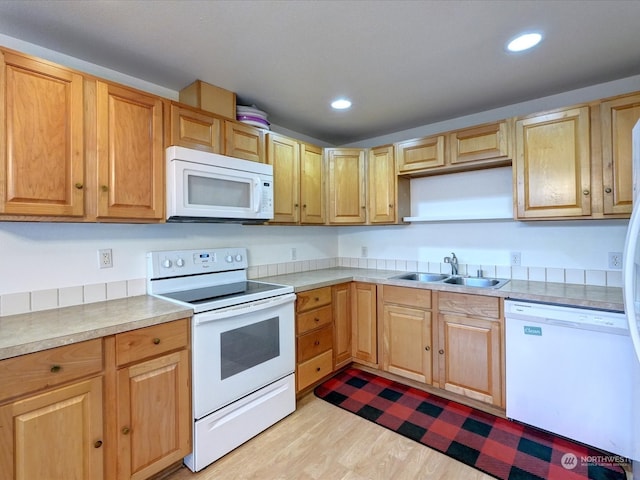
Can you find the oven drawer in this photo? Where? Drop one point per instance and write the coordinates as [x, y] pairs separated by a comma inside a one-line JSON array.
[[151, 341], [313, 299], [314, 343], [314, 319], [39, 370], [313, 370]]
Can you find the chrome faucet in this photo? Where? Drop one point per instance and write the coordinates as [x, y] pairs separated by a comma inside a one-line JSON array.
[[453, 260]]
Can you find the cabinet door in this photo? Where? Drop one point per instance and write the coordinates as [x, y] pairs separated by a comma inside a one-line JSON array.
[[41, 138], [312, 185], [347, 202], [470, 357], [244, 141], [56, 435], [485, 142], [407, 342], [365, 331], [196, 130], [130, 154], [420, 154], [341, 300], [552, 165], [382, 185], [284, 155], [618, 118], [154, 415]]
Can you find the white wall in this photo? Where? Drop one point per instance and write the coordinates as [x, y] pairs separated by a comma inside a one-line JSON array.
[[39, 256]]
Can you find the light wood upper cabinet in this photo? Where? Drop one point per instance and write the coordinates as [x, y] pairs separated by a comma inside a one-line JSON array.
[[130, 154], [388, 195], [618, 116], [347, 194], [552, 165], [420, 154], [470, 346], [244, 141], [41, 138], [192, 128], [485, 142], [312, 185], [284, 155]]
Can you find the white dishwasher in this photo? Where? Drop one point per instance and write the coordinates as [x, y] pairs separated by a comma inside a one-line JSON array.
[[571, 371]]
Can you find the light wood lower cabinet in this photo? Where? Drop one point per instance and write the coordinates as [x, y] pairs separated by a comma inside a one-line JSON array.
[[470, 346], [407, 336], [364, 322], [342, 320], [118, 407]]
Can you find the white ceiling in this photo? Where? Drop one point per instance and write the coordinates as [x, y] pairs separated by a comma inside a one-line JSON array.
[[402, 63]]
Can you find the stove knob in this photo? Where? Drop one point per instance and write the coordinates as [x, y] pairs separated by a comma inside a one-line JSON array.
[[229, 259], [167, 263], [238, 258], [180, 262]]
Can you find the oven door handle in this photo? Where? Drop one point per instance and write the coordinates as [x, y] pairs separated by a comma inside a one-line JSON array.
[[243, 308]]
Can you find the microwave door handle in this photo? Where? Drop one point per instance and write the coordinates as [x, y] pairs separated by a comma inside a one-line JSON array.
[[258, 198]]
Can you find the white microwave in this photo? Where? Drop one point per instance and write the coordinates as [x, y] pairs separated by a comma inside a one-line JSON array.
[[208, 187]]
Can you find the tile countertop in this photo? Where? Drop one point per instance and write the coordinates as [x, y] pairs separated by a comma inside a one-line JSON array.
[[35, 331], [591, 296]]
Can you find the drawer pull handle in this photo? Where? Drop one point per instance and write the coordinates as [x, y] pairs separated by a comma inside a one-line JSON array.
[[104, 188], [316, 319], [607, 190], [98, 444], [317, 369], [156, 341], [126, 430], [316, 343], [427, 348], [585, 192], [79, 186], [55, 368], [441, 352], [316, 299]]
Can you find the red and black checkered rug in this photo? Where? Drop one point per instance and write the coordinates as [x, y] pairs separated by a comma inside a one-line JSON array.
[[501, 448]]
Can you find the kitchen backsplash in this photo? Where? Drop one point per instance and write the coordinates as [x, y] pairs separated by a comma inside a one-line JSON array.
[[25, 302]]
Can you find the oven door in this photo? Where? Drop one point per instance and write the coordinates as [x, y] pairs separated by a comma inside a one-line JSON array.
[[238, 350]]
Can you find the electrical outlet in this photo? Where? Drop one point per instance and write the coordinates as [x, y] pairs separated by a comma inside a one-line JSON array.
[[105, 258], [294, 253], [516, 259], [615, 260], [364, 252]]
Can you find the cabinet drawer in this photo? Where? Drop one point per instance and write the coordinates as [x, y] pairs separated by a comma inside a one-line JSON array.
[[150, 341], [36, 371], [313, 298], [477, 305], [313, 370], [414, 297], [314, 343], [313, 319]]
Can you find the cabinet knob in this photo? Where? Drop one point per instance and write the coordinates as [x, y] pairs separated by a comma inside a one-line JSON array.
[[441, 351], [317, 369], [391, 205], [295, 205], [316, 299], [316, 343], [304, 205], [55, 368], [607, 190], [363, 207], [585, 192], [427, 348], [104, 188], [156, 341], [98, 444], [125, 431], [79, 186], [316, 319]]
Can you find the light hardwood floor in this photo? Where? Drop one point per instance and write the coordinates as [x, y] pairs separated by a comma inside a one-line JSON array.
[[321, 441]]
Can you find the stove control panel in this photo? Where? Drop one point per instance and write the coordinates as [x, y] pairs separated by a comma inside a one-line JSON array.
[[174, 263]]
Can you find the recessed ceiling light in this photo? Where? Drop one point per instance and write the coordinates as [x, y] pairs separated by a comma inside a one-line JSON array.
[[524, 42], [341, 104]]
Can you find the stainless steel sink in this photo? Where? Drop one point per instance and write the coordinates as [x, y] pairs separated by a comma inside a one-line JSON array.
[[479, 282], [476, 282], [422, 277]]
